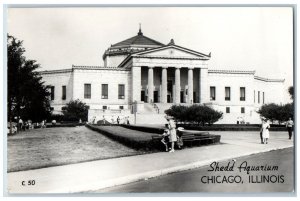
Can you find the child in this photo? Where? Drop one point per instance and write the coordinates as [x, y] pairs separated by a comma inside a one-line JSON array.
[[179, 137], [165, 138]]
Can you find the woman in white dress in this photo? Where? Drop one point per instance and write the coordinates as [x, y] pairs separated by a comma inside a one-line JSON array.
[[265, 131]]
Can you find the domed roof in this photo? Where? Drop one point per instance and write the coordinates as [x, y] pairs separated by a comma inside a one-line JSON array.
[[139, 39], [132, 45]]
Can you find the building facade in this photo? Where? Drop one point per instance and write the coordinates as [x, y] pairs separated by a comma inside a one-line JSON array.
[[145, 76]]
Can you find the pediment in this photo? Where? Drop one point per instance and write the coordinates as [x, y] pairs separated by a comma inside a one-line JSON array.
[[172, 51]]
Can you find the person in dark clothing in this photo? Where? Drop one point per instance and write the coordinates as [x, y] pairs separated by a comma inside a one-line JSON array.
[[289, 126]]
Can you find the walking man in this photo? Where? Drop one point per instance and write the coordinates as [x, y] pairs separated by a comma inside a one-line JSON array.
[[289, 125]]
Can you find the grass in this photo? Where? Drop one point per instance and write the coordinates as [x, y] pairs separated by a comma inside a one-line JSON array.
[[60, 146]]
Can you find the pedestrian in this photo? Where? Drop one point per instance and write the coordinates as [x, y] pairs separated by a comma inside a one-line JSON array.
[[112, 120], [179, 137], [265, 131], [128, 123], [118, 120], [29, 124], [26, 125], [103, 120], [14, 129], [261, 137], [289, 125], [165, 138], [20, 124], [43, 124], [172, 129]]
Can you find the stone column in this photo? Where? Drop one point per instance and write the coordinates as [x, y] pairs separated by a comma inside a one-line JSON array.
[[177, 85], [190, 86], [204, 93], [136, 83], [164, 90], [150, 84]]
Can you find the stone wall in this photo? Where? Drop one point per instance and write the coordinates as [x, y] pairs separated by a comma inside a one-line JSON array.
[[98, 77]]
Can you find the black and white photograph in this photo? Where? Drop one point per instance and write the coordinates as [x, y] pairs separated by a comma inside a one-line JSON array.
[[106, 100]]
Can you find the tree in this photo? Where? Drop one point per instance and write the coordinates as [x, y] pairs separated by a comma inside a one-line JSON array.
[[291, 92], [27, 97], [277, 112], [194, 114], [75, 110], [178, 112], [269, 111]]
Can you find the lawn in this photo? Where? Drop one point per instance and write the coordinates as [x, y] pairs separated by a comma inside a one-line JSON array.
[[59, 146]]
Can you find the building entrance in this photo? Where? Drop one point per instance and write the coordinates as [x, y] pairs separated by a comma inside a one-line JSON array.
[[181, 96], [143, 96], [170, 91], [155, 97]]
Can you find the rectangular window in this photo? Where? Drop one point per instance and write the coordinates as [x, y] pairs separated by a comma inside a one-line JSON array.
[[52, 91], [258, 96], [104, 91], [212, 93], [87, 91], [227, 109], [242, 93], [263, 97], [227, 93], [121, 107], [64, 92], [254, 96], [242, 110], [121, 91], [104, 107]]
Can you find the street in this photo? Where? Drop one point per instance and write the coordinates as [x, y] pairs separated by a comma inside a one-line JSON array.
[[276, 175]]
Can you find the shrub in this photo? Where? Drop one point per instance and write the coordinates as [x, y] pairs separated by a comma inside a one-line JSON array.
[[75, 110], [275, 112], [198, 114], [179, 112]]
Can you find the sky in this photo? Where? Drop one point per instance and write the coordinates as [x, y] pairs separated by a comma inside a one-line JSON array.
[[252, 38]]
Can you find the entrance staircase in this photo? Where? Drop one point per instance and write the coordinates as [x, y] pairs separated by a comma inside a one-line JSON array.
[[153, 113], [149, 108], [162, 107]]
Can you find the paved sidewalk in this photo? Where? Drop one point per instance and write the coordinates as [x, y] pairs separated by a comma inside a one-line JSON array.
[[100, 174]]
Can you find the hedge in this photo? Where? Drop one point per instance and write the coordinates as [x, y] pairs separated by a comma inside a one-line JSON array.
[[214, 127], [65, 125], [144, 128], [139, 137], [131, 138], [230, 128]]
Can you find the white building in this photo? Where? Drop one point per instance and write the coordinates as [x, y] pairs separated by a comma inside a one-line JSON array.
[[143, 72]]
